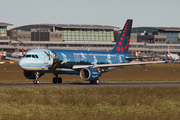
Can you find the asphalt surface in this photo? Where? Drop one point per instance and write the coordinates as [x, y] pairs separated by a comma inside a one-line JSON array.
[[87, 84]]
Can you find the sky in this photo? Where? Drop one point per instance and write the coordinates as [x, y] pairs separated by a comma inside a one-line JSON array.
[[153, 13]]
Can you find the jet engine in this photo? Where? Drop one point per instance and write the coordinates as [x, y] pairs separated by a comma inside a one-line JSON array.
[[31, 74], [89, 74]]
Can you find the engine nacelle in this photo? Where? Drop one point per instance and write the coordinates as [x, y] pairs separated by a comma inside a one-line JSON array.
[[89, 74], [31, 74]]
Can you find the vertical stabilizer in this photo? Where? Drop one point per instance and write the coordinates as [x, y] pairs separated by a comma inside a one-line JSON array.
[[122, 44], [168, 50]]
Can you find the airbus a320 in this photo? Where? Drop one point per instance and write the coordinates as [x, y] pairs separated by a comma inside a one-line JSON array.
[[88, 64]]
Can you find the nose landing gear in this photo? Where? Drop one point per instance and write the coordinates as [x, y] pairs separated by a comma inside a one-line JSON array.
[[36, 81]]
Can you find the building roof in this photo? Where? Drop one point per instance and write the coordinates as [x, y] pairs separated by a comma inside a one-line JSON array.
[[5, 24], [161, 28], [83, 26], [71, 26]]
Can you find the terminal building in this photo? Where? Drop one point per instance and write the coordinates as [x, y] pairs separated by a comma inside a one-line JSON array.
[[3, 30], [60, 32], [149, 40], [162, 35]]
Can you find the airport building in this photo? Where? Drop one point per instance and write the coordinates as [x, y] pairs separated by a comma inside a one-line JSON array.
[[61, 32], [3, 30], [160, 35], [149, 40]]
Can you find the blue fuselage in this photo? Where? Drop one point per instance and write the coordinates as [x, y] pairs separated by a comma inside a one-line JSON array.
[[58, 60]]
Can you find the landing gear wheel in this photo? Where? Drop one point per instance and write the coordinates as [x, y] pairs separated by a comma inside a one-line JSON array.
[[36, 81], [59, 80], [55, 80], [96, 82], [91, 82]]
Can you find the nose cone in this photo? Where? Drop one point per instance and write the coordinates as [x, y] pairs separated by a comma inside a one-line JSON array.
[[21, 63]]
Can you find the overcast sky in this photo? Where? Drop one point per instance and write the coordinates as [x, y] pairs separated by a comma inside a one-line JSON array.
[[160, 13]]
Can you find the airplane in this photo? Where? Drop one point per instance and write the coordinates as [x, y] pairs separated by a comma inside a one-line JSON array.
[[88, 64], [16, 54], [171, 56]]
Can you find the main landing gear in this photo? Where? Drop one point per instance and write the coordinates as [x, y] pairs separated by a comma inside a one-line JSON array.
[[36, 81], [96, 82], [57, 79]]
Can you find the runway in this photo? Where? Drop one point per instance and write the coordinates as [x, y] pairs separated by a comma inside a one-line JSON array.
[[87, 84]]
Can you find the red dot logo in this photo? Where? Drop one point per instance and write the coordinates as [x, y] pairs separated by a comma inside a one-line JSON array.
[[122, 48], [125, 28], [127, 36], [124, 31], [121, 38], [123, 34], [127, 43], [118, 48], [127, 39], [125, 46], [120, 43]]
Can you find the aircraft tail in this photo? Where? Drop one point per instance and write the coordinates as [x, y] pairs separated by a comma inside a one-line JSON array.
[[122, 44], [168, 50]]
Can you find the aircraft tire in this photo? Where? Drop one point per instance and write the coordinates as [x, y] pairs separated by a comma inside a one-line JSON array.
[[96, 82], [59, 80], [36, 81], [55, 80], [91, 82]]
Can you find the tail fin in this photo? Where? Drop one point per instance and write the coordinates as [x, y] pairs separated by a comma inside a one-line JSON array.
[[122, 44], [168, 50]]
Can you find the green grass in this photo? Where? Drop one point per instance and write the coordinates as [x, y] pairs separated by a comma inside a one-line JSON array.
[[137, 103], [153, 72]]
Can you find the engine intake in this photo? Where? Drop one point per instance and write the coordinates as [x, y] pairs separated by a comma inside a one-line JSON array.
[[89, 74]]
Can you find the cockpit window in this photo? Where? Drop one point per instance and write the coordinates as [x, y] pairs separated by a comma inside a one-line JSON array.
[[32, 56], [27, 56], [36, 56]]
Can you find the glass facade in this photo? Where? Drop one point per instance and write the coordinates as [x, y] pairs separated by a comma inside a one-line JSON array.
[[3, 31], [87, 35], [170, 36], [143, 30]]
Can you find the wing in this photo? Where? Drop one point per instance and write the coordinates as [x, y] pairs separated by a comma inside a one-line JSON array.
[[138, 58], [115, 65], [11, 58]]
